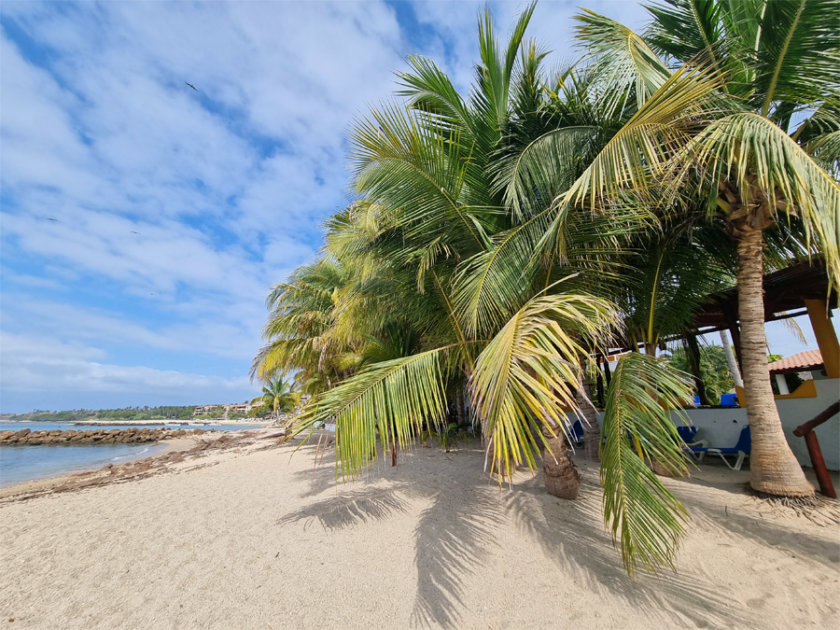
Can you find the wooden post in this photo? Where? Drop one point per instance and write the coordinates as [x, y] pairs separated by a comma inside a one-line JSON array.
[[824, 479], [693, 350], [599, 381], [826, 338], [607, 369], [807, 431]]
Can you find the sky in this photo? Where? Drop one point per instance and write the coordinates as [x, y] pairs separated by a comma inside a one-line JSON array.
[[162, 165]]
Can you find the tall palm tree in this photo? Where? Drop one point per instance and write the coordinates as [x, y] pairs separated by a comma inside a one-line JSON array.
[[277, 395], [751, 148]]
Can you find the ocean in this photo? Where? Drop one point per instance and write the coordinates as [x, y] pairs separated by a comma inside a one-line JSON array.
[[25, 463]]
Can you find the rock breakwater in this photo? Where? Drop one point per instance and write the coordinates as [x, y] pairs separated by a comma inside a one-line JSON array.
[[71, 437]]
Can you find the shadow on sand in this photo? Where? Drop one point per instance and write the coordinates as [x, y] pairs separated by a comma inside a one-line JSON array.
[[455, 533]]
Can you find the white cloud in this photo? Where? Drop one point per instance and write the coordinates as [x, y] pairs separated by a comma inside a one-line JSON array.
[[139, 214], [37, 365]]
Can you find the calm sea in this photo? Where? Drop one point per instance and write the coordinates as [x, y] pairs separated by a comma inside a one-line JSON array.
[[23, 463]]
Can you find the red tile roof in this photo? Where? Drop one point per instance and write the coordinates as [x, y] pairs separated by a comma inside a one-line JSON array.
[[802, 361]]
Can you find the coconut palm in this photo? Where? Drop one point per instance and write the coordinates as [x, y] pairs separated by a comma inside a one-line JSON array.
[[745, 131], [278, 396]]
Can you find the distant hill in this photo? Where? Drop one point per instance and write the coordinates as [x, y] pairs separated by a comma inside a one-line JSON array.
[[124, 414]]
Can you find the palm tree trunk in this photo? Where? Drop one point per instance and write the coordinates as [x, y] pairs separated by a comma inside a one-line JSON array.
[[561, 477], [591, 431], [773, 467], [731, 361]]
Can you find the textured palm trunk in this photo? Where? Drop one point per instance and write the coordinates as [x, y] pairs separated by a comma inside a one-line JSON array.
[[561, 476], [773, 467]]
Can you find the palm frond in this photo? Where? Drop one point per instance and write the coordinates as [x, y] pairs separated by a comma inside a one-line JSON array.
[[531, 178], [627, 67], [494, 283], [798, 54], [413, 172], [647, 143], [527, 374], [390, 400], [764, 161], [637, 428], [685, 28]]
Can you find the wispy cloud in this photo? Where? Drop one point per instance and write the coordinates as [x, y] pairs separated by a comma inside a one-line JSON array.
[[143, 221]]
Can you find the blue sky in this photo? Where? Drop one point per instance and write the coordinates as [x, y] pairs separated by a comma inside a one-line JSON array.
[[142, 222]]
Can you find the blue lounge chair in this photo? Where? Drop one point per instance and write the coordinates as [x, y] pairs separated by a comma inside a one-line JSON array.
[[740, 451], [687, 433], [729, 400]]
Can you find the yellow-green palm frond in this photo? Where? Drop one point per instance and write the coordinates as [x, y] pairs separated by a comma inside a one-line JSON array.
[[645, 518], [770, 168], [528, 372], [390, 400], [627, 66]]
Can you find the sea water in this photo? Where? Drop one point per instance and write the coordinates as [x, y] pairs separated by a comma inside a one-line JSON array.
[[24, 463]]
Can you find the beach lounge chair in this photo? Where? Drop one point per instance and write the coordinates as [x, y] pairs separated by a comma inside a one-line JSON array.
[[687, 435], [740, 451]]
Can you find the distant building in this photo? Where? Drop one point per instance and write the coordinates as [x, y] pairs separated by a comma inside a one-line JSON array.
[[224, 410]]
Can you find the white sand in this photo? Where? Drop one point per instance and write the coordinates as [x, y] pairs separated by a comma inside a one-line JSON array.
[[256, 539]]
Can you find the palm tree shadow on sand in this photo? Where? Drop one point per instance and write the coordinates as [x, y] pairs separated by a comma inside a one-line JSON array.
[[451, 536], [455, 534], [574, 535]]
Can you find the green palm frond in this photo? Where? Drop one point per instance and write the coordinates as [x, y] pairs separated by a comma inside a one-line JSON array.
[[798, 55], [494, 283], [647, 143], [628, 68], [494, 75], [531, 178], [390, 400], [413, 172], [825, 149], [428, 89], [527, 373], [637, 429], [762, 160], [685, 28]]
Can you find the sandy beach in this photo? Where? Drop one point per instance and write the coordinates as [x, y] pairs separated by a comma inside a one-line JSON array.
[[248, 536]]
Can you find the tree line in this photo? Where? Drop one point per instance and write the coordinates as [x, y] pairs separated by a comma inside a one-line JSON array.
[[163, 412]]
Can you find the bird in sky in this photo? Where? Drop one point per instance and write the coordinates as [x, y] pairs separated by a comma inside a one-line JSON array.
[[191, 85]]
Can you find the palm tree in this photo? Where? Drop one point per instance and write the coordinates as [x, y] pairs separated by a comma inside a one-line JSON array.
[[277, 395], [742, 136], [441, 230], [300, 328]]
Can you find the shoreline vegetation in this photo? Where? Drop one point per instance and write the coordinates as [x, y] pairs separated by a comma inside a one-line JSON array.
[[160, 415]]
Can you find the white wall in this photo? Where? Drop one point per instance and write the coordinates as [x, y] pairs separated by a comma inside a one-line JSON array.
[[722, 426], [796, 411]]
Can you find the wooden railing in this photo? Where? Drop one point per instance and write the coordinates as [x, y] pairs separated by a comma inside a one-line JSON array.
[[807, 431]]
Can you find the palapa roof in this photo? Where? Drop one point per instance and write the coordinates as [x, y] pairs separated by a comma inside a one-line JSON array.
[[799, 362]]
